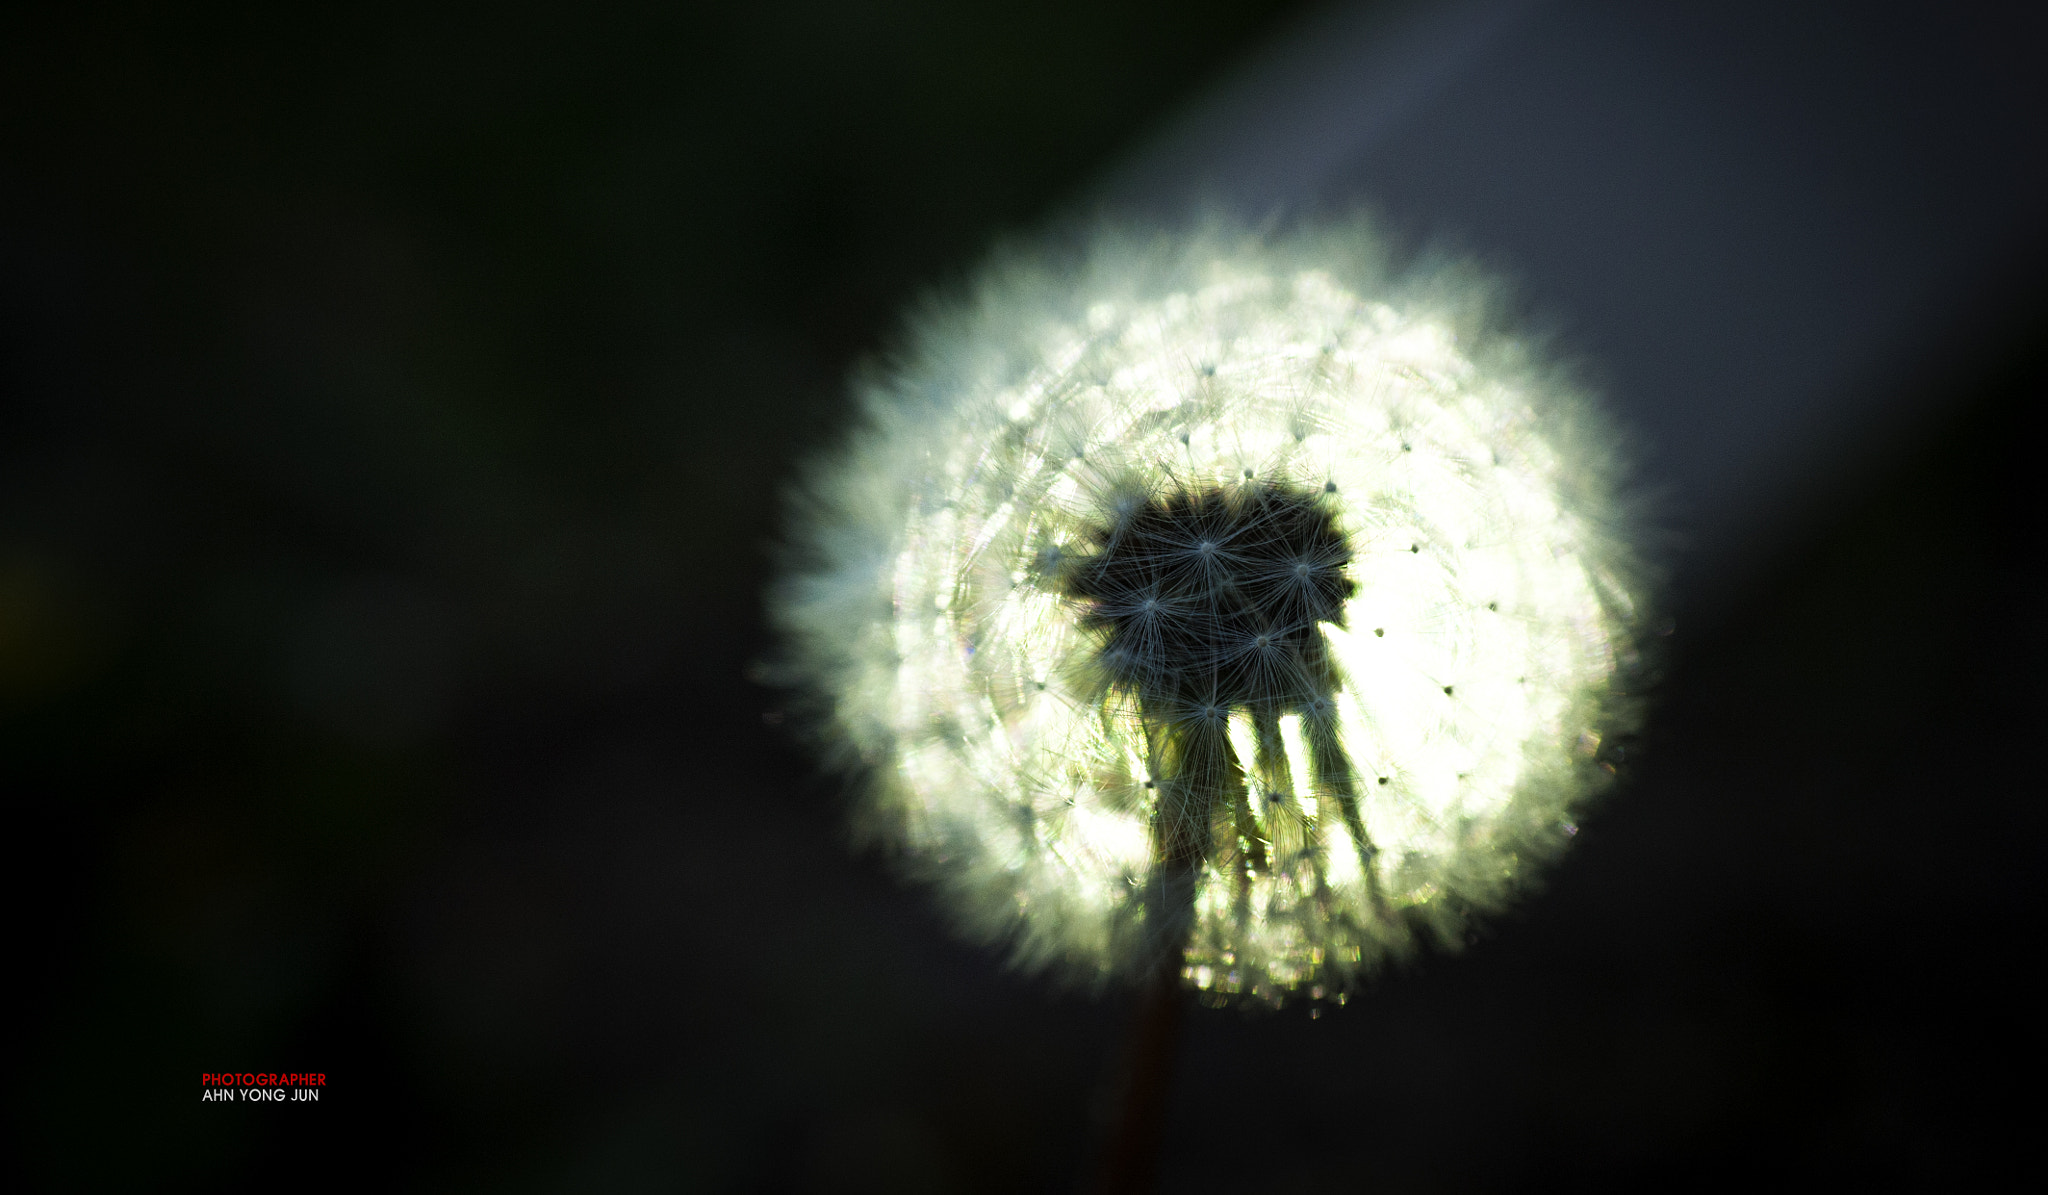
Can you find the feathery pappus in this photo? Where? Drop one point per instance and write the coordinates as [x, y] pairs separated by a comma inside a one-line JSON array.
[[1225, 595]]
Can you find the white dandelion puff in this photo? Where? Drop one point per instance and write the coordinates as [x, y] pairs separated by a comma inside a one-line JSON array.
[[1225, 596]]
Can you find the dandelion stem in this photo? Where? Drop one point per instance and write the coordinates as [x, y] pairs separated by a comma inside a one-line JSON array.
[[1201, 779], [1130, 1158]]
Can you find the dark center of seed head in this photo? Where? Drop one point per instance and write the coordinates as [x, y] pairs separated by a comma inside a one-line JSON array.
[[1212, 599]]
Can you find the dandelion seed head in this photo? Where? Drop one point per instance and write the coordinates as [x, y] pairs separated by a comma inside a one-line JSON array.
[[1080, 594]]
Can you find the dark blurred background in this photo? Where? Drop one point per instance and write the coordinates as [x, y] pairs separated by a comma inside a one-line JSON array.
[[396, 401]]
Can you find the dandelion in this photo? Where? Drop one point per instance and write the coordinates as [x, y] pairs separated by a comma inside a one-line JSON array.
[[1226, 602]]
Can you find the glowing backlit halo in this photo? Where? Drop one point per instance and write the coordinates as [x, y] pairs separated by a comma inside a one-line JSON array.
[[1051, 726]]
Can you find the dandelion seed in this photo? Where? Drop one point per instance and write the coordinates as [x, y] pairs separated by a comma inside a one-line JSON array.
[[1099, 550]]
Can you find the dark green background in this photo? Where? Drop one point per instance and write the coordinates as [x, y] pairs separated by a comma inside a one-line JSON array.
[[396, 404]]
